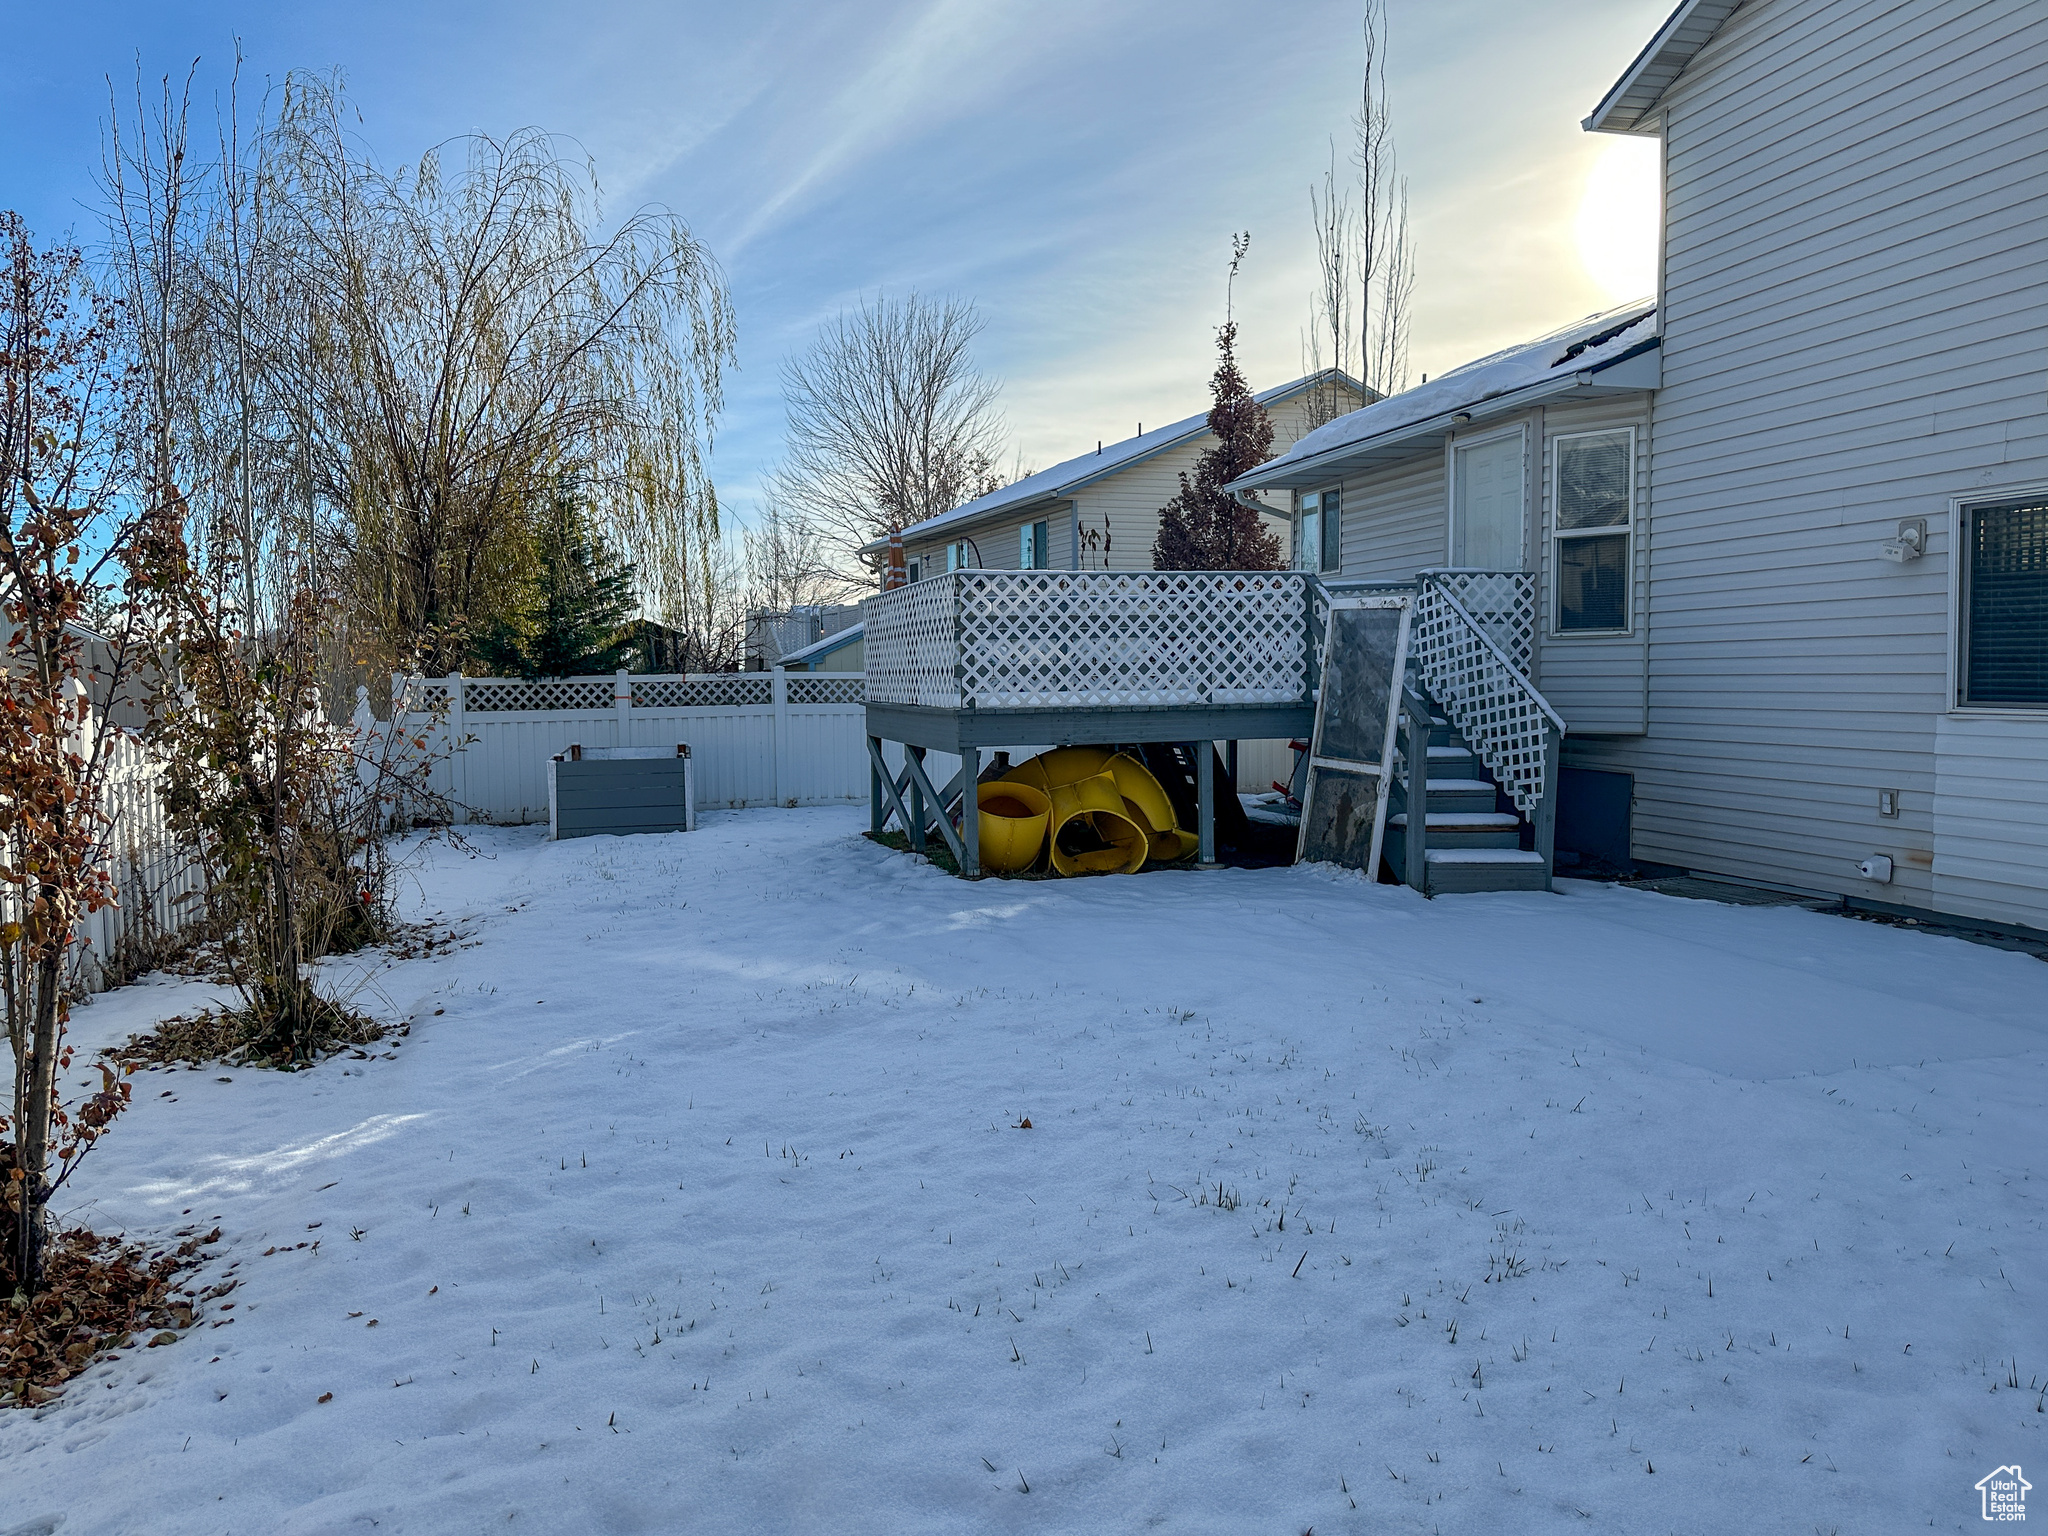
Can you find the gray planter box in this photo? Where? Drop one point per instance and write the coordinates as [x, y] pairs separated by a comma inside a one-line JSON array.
[[594, 790]]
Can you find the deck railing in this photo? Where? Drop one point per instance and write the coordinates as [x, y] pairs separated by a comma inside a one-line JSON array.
[[1091, 639], [1474, 635]]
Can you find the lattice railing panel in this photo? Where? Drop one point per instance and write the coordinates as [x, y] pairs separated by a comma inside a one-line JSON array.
[[1503, 603], [701, 689], [1082, 639], [912, 645], [504, 695], [827, 688], [1484, 692]]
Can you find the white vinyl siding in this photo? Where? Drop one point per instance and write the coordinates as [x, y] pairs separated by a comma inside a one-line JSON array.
[[1854, 326], [1394, 520]]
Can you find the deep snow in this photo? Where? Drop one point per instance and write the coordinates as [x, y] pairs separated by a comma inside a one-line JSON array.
[[701, 1206]]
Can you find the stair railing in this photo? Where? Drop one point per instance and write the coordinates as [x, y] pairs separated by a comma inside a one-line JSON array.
[[1504, 720]]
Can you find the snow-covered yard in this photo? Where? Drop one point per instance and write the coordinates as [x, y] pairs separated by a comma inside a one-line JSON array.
[[698, 1200]]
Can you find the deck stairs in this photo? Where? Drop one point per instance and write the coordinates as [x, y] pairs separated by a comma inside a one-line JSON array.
[[1475, 839]]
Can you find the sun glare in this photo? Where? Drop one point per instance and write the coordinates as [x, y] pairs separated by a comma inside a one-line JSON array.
[[1617, 220]]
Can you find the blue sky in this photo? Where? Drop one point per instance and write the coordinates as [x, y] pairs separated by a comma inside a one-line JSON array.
[[1075, 168]]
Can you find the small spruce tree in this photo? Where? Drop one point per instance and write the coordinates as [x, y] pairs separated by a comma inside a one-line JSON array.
[[1205, 528], [575, 621]]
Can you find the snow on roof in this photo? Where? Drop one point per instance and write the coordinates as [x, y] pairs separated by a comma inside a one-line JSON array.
[[826, 646], [1559, 357], [1063, 479]]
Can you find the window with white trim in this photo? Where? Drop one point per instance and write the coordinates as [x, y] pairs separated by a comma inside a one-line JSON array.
[[1593, 506], [1318, 531], [959, 555], [2002, 660], [1031, 552]]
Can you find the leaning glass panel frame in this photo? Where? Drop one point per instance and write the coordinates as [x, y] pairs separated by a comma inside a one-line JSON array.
[[1352, 750]]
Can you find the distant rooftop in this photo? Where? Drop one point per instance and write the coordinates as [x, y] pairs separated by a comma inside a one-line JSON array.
[[1064, 479], [1576, 359]]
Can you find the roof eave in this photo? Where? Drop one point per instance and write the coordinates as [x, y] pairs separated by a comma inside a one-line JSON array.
[[1631, 106], [1066, 489], [1637, 370]]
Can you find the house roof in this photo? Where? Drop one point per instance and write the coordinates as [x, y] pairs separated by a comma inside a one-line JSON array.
[[1631, 106], [818, 649], [1607, 353], [1063, 480]]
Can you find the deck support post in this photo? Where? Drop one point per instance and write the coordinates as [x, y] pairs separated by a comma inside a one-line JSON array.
[[877, 812], [913, 759], [1205, 800], [885, 785], [925, 800], [970, 813], [1546, 808]]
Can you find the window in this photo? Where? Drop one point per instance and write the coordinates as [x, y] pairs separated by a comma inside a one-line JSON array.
[[1031, 553], [1308, 532], [1486, 505], [914, 569], [960, 555], [1594, 497], [2004, 651], [1332, 555]]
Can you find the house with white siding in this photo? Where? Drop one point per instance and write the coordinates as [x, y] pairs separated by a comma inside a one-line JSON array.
[[1783, 529], [1100, 510]]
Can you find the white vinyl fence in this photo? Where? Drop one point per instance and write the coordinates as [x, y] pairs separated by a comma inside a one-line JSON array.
[[755, 738], [156, 882]]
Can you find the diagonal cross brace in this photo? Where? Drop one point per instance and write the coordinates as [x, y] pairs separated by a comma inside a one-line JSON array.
[[940, 803]]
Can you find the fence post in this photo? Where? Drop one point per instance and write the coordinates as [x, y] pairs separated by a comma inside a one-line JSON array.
[[622, 708], [458, 765], [778, 731]]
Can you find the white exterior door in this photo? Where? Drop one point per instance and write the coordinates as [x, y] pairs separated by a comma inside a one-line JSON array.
[[1487, 505]]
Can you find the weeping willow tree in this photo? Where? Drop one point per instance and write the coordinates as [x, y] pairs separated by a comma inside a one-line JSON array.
[[441, 344]]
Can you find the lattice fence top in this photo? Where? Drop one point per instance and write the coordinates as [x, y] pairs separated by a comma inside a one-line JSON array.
[[1082, 639], [511, 695], [827, 688], [701, 689], [1491, 701], [503, 695], [1503, 603]]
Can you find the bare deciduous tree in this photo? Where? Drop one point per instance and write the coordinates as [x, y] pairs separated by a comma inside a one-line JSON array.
[[1365, 256], [889, 423], [787, 562]]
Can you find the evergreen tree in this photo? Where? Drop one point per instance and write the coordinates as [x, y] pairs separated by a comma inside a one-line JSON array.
[[576, 617], [1205, 528]]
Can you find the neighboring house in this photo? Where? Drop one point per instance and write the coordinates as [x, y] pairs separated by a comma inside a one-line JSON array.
[[773, 636], [1099, 511], [1789, 525], [841, 651]]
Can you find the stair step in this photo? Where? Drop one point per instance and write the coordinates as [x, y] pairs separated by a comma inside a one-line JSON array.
[[1459, 786], [1473, 820], [1453, 871]]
